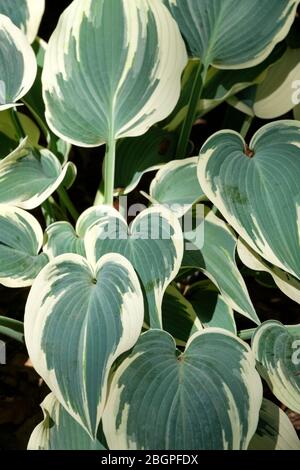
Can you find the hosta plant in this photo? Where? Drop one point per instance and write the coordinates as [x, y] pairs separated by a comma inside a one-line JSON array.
[[137, 350]]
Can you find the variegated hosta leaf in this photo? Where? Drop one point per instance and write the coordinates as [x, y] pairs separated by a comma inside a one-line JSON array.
[[62, 238], [248, 188], [178, 316], [25, 14], [176, 185], [277, 352], [230, 34], [123, 60], [28, 177], [276, 95], [215, 256], [284, 281], [59, 431], [210, 307], [140, 155], [21, 239], [17, 64], [78, 319], [9, 138], [163, 399], [297, 108], [275, 431], [153, 244]]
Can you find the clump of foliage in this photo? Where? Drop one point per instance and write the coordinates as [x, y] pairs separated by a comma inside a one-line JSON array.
[[133, 361]]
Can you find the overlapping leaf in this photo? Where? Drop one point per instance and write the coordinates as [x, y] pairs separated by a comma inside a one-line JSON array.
[[121, 60], [78, 319], [176, 186], [278, 92], [257, 190], [214, 253], [29, 176], [153, 244], [275, 431], [59, 431], [284, 281], [25, 14], [17, 64], [163, 399], [230, 34], [277, 352], [62, 238], [21, 239]]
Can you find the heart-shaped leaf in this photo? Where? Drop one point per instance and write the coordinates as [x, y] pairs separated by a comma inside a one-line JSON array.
[[230, 34], [29, 176], [21, 239], [277, 352], [61, 237], [78, 319], [123, 60], [284, 281], [252, 194], [17, 64], [275, 431], [161, 399], [214, 254], [153, 244], [25, 14], [170, 187], [59, 431]]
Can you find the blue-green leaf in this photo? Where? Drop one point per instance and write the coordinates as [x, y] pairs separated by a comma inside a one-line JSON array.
[[153, 244], [59, 431], [78, 319], [21, 239], [230, 34], [163, 399], [17, 64], [214, 253], [277, 352], [112, 70], [257, 190], [25, 14]]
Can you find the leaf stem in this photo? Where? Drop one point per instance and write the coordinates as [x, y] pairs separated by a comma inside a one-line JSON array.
[[246, 335], [109, 170], [68, 203], [186, 129], [246, 126], [17, 123]]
